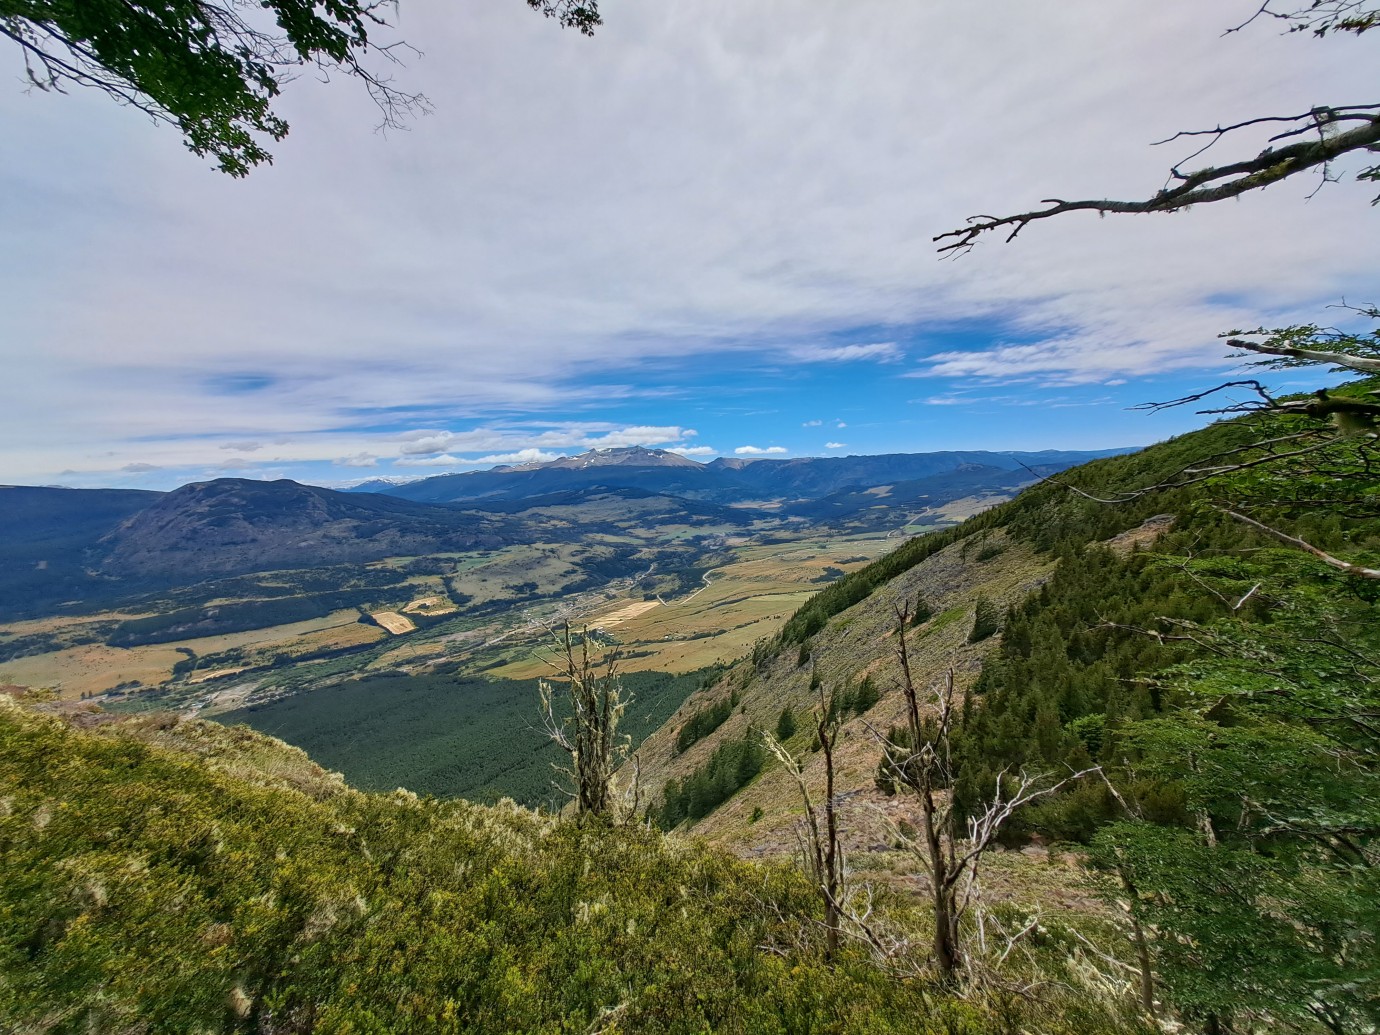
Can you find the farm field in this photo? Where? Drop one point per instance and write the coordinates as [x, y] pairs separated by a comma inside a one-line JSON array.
[[736, 604], [668, 603], [95, 668]]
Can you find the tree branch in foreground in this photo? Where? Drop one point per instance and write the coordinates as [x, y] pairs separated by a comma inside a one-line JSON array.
[[1213, 183], [1289, 540]]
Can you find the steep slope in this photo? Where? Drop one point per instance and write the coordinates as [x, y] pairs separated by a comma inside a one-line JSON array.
[[1062, 569], [858, 643], [1204, 655], [169, 876]]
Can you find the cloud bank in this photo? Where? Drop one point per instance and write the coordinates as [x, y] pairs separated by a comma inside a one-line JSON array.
[[586, 225]]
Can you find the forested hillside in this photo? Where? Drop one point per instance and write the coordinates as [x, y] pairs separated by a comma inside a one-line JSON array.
[[1195, 628]]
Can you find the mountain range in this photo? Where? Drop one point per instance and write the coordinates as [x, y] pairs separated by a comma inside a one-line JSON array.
[[65, 548], [735, 480]]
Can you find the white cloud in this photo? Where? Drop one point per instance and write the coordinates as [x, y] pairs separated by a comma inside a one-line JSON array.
[[693, 450], [811, 423], [421, 443], [835, 445], [358, 460], [882, 352], [758, 451], [522, 456], [516, 439], [840, 424], [798, 164], [641, 435], [443, 460]]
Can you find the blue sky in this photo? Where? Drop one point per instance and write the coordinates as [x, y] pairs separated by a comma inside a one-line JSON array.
[[707, 228]]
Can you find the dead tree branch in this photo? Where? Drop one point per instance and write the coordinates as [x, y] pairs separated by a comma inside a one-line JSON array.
[[1334, 562]]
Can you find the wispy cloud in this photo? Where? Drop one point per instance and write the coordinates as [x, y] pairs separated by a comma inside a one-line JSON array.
[[693, 450], [444, 460], [798, 166], [835, 445], [758, 451], [881, 352], [570, 436]]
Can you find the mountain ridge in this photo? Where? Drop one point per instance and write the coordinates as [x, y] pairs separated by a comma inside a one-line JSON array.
[[724, 479]]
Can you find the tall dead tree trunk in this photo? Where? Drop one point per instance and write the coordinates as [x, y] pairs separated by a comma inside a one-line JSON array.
[[589, 735], [831, 876], [820, 844], [926, 766]]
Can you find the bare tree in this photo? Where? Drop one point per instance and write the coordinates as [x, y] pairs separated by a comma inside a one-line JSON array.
[[589, 735], [821, 848], [1310, 140], [925, 766]]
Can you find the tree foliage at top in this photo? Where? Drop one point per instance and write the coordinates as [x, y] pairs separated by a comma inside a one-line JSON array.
[[213, 68]]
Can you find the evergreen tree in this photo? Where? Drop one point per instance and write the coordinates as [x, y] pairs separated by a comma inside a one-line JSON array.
[[785, 725], [984, 620]]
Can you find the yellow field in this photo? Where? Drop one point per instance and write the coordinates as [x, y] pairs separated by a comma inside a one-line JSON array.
[[740, 603], [395, 623], [94, 668], [430, 606], [623, 614], [34, 626]]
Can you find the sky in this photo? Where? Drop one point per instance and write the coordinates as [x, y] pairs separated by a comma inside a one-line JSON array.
[[707, 229]]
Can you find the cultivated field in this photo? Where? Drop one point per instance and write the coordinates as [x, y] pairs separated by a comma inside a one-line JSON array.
[[738, 603], [395, 623], [91, 669]]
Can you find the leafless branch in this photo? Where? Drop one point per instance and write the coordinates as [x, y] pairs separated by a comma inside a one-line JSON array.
[[1213, 183], [1334, 562]]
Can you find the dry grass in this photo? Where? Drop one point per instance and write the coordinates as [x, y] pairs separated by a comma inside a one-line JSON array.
[[436, 605], [395, 623], [623, 614], [96, 668], [56, 623]]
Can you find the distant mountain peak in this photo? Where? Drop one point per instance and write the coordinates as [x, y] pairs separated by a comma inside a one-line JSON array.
[[615, 456]]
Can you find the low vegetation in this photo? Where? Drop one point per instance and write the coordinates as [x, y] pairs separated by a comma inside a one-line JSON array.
[[147, 888]]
